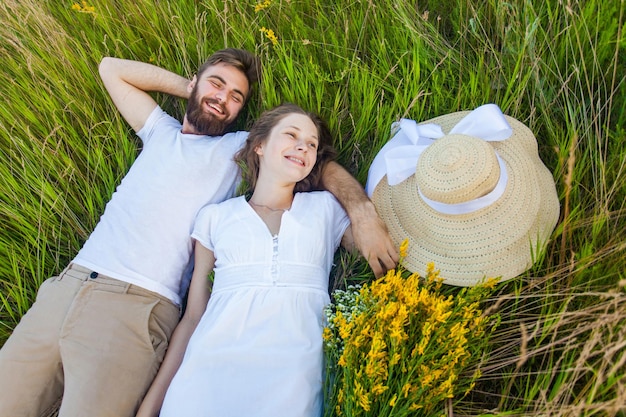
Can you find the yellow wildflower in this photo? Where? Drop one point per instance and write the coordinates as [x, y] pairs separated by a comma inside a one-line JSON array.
[[404, 246], [446, 388], [327, 334], [405, 389], [470, 311], [262, 5], [379, 389], [427, 379], [395, 359], [392, 401], [397, 333], [84, 8], [436, 373], [387, 311], [366, 330], [356, 342], [342, 360], [342, 325], [471, 387], [442, 311], [458, 331], [270, 35], [362, 396], [478, 322], [415, 407], [490, 283]]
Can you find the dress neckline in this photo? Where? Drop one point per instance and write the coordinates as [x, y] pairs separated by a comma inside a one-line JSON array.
[[260, 219]]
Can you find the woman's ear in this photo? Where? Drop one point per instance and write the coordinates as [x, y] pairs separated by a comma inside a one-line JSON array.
[[259, 150]]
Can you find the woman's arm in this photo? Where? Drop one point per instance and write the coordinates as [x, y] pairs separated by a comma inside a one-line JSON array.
[[369, 232], [347, 240], [199, 293]]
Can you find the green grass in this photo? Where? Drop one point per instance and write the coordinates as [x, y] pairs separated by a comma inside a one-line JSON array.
[[557, 66]]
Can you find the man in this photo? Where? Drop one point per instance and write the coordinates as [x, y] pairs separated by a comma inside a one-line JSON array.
[[97, 333]]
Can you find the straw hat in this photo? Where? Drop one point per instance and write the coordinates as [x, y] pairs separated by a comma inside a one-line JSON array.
[[475, 206]]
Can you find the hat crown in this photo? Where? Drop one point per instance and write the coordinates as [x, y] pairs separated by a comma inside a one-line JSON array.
[[456, 169]]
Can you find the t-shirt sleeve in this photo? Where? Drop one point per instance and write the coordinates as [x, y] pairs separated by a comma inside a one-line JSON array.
[[154, 122], [203, 228]]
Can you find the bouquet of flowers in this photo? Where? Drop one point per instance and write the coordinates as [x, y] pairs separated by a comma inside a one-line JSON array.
[[400, 346]]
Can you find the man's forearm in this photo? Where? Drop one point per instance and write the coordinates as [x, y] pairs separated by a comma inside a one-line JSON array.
[[347, 190], [368, 230], [144, 76]]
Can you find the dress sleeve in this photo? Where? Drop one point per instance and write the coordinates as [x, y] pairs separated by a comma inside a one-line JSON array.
[[339, 220], [204, 226]]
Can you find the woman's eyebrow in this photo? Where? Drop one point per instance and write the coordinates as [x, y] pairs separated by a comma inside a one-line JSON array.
[[298, 129]]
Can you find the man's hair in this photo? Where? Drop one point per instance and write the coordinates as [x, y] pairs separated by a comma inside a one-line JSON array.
[[248, 160], [243, 60]]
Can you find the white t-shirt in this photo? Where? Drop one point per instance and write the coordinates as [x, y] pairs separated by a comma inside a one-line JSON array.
[[143, 237]]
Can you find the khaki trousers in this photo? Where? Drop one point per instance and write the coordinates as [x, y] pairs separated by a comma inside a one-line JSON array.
[[93, 341]]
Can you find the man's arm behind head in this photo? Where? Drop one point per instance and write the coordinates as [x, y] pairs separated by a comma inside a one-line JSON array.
[[128, 83]]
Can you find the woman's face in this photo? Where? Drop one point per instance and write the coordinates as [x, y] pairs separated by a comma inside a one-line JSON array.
[[290, 151]]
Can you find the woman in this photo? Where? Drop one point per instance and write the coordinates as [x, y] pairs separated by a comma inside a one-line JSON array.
[[252, 344]]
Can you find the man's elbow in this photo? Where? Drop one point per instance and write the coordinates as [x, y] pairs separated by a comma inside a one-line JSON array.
[[107, 67]]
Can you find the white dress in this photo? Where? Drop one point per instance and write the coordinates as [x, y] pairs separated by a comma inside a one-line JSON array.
[[257, 350]]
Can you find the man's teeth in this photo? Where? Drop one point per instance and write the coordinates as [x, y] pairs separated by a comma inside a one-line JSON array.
[[216, 108]]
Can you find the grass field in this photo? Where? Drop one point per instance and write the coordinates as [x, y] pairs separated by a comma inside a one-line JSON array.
[[556, 65]]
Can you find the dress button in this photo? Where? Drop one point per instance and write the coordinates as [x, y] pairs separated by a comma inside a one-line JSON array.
[[93, 275]]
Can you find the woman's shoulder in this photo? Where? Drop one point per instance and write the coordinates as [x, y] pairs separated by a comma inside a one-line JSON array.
[[233, 202], [320, 196], [226, 206], [318, 199]]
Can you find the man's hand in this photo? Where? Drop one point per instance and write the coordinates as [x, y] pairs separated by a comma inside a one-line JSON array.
[[369, 232], [372, 239]]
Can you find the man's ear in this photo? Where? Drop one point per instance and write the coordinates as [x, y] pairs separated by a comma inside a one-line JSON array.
[[192, 84]]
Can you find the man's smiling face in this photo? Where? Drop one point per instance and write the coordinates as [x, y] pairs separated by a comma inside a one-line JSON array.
[[216, 98]]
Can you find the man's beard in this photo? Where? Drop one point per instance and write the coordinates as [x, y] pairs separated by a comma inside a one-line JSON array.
[[205, 123]]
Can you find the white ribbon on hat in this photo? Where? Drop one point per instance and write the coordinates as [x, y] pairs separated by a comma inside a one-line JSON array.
[[398, 158]]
